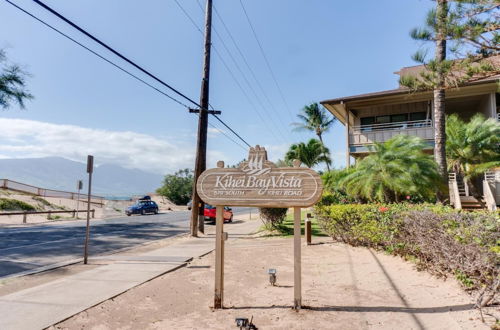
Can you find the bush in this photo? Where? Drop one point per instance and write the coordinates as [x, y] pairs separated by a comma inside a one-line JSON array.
[[178, 187], [438, 238], [273, 217], [15, 205]]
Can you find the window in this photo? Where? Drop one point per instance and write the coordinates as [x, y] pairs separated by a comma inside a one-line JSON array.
[[399, 118], [367, 121], [418, 116]]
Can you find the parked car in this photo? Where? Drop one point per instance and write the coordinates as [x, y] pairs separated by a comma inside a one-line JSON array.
[[210, 210], [143, 206]]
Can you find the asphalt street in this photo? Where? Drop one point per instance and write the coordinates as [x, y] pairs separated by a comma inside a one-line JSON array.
[[25, 249]]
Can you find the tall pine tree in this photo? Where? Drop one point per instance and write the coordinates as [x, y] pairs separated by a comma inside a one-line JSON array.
[[466, 37]]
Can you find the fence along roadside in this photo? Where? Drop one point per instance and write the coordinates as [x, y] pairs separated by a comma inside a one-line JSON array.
[[42, 192]]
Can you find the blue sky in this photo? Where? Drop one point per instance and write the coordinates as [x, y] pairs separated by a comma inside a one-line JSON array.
[[317, 49]]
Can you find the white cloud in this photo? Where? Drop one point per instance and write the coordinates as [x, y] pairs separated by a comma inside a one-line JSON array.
[[276, 151], [26, 138]]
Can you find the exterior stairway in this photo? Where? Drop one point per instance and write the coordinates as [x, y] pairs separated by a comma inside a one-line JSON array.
[[460, 188], [470, 203]]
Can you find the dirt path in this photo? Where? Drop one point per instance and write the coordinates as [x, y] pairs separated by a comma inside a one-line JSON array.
[[344, 287]]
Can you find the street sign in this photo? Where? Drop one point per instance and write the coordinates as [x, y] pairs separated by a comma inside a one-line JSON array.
[[90, 164], [258, 182]]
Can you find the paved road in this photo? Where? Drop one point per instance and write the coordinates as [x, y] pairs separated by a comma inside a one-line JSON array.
[[27, 248]]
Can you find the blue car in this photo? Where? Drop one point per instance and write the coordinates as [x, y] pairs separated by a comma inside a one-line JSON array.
[[142, 207]]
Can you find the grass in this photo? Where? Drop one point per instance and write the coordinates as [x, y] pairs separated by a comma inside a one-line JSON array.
[[15, 205], [286, 227]]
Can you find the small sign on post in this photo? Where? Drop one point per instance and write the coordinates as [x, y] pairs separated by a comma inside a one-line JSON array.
[[79, 186], [258, 183], [90, 169]]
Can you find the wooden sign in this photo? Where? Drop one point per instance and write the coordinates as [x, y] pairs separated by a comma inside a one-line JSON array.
[[258, 182]]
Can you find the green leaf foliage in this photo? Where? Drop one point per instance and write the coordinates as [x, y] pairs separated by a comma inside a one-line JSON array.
[[310, 154], [471, 31], [15, 205], [12, 84], [178, 187], [395, 169], [438, 238]]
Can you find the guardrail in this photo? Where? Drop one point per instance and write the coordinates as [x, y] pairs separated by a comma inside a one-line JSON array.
[[26, 188], [49, 213]]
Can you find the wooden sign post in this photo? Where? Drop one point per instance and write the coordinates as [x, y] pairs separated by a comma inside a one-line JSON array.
[[258, 183]]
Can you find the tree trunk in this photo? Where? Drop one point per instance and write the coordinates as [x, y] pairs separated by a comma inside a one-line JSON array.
[[321, 139], [439, 93]]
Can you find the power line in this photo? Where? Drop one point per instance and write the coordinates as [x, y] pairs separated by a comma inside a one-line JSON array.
[[262, 90], [265, 58], [97, 54], [52, 11], [227, 136], [119, 55], [224, 63]]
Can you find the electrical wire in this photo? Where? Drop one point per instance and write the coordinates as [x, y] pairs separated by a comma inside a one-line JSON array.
[[119, 55], [265, 59], [97, 54], [243, 57], [224, 63]]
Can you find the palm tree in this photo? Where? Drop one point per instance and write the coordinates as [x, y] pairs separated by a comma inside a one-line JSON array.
[[315, 119], [12, 84], [472, 148], [310, 154], [396, 168]]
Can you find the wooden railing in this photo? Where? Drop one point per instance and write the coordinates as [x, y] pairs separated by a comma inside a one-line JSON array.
[[454, 193], [49, 213]]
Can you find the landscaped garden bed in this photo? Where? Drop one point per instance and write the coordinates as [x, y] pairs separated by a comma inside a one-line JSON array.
[[437, 238]]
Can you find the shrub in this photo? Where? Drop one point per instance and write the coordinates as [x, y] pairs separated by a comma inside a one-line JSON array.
[[15, 205], [438, 238], [178, 187], [459, 243], [273, 217]]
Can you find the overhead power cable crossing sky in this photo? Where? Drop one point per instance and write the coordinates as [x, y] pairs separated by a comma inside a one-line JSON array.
[[278, 121], [125, 59], [252, 72], [266, 60], [219, 55]]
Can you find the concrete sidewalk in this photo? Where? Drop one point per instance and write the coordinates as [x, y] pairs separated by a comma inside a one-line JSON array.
[[47, 304]]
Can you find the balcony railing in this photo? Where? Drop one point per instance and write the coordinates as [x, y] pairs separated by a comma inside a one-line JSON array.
[[368, 134], [391, 126]]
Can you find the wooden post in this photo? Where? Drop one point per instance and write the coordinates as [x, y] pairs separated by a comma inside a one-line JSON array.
[[348, 155], [219, 257], [297, 268], [197, 216], [25, 215], [308, 231]]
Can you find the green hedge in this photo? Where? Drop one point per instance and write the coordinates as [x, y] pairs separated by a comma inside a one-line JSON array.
[[438, 238], [15, 205]]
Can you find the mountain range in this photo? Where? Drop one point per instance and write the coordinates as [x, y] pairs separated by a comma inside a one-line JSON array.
[[62, 174]]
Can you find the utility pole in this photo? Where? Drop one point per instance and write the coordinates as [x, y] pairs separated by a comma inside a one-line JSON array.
[[197, 211]]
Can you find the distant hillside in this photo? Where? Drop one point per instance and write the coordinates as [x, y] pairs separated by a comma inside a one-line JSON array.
[[62, 174]]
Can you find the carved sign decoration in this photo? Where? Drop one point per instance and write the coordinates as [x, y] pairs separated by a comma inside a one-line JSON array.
[[258, 182]]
